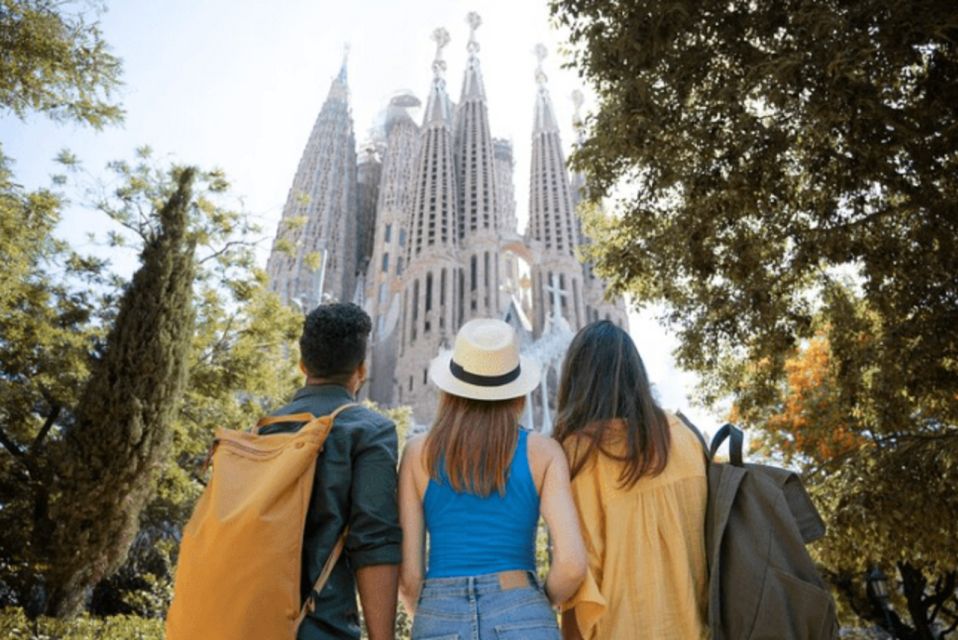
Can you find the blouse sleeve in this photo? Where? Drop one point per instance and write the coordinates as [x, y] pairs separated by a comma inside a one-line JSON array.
[[588, 602]]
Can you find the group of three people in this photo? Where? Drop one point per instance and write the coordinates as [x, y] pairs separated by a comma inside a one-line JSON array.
[[620, 485]]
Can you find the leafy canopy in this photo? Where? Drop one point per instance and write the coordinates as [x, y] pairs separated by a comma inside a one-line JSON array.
[[54, 60], [58, 312], [764, 151], [785, 179]]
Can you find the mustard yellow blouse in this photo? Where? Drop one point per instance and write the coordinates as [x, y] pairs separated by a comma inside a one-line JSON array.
[[646, 545]]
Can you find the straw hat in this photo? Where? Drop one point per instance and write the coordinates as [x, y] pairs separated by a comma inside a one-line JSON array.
[[485, 363]]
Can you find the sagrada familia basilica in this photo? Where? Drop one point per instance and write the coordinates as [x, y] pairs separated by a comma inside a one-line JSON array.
[[420, 228]]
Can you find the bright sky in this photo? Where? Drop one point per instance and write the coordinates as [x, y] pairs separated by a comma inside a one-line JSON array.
[[237, 84]]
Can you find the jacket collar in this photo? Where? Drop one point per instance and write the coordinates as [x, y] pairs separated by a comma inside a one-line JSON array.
[[331, 391]]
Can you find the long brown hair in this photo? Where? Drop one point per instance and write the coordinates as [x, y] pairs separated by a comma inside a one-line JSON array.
[[474, 440], [603, 383]]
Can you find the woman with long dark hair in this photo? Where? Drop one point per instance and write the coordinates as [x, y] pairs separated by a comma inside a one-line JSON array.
[[477, 484], [638, 479]]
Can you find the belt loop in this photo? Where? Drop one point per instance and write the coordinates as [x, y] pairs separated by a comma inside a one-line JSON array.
[[471, 586]]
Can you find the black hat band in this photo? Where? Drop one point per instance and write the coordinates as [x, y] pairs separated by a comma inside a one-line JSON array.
[[483, 381]]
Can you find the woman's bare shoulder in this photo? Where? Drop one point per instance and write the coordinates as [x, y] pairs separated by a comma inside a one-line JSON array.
[[413, 450], [415, 443], [544, 446]]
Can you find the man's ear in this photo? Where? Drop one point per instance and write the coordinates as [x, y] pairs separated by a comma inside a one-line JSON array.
[[302, 367], [361, 370]]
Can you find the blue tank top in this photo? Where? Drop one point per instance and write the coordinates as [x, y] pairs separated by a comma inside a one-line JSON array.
[[470, 535]]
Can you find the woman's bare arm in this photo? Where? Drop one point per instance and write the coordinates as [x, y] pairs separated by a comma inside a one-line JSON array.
[[569, 562], [411, 571]]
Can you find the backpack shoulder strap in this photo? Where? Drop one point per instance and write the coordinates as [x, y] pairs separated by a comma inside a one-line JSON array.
[[341, 408], [298, 417], [333, 558], [736, 441], [728, 432], [698, 434], [268, 420], [310, 605]]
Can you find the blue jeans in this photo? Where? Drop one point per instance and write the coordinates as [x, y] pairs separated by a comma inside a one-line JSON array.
[[476, 608]]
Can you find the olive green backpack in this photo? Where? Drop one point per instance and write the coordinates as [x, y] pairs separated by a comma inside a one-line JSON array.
[[763, 584]]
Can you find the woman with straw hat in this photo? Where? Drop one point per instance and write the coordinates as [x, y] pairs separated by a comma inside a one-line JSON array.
[[477, 483]]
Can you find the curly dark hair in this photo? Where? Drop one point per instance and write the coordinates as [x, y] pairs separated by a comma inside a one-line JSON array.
[[334, 339]]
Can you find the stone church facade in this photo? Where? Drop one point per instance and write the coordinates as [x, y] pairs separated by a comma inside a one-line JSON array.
[[422, 230]]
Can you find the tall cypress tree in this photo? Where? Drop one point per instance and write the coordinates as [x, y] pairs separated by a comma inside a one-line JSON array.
[[113, 450]]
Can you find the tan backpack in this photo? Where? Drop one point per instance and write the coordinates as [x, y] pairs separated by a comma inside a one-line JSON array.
[[240, 562]]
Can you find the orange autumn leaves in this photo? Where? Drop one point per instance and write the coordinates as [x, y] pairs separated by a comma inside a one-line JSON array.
[[809, 421]]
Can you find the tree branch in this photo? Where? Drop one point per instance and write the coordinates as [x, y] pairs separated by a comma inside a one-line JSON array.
[[45, 429], [942, 594], [19, 454], [12, 447], [226, 247], [953, 626], [879, 442]]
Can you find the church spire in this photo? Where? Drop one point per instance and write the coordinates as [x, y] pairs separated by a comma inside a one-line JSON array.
[[578, 182], [545, 119], [341, 78], [472, 85], [434, 219], [427, 319], [550, 201], [578, 122], [438, 108], [315, 261], [552, 222], [476, 169], [339, 87]]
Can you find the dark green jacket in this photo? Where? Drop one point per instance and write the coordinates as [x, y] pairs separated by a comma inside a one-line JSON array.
[[355, 485]]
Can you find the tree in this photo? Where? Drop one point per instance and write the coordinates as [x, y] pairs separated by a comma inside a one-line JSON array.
[[871, 488], [242, 364], [47, 328], [55, 61], [92, 367], [779, 169], [121, 428]]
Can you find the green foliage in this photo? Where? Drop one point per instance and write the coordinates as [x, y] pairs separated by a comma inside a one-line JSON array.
[[785, 181], [15, 625], [768, 148], [400, 415], [120, 428], [55, 61], [241, 362], [314, 260], [402, 630], [48, 327]]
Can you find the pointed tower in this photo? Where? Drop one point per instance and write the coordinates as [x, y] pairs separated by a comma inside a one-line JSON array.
[[505, 188], [476, 172], [597, 307], [577, 182], [368, 177], [385, 271], [510, 277], [314, 252], [433, 279], [552, 232]]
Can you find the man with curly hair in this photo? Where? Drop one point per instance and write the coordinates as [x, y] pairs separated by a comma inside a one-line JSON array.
[[355, 483]]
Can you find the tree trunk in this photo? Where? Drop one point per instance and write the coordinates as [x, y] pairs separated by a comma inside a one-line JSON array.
[[112, 451], [913, 585]]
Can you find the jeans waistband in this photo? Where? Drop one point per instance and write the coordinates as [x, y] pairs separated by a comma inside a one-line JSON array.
[[475, 585]]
